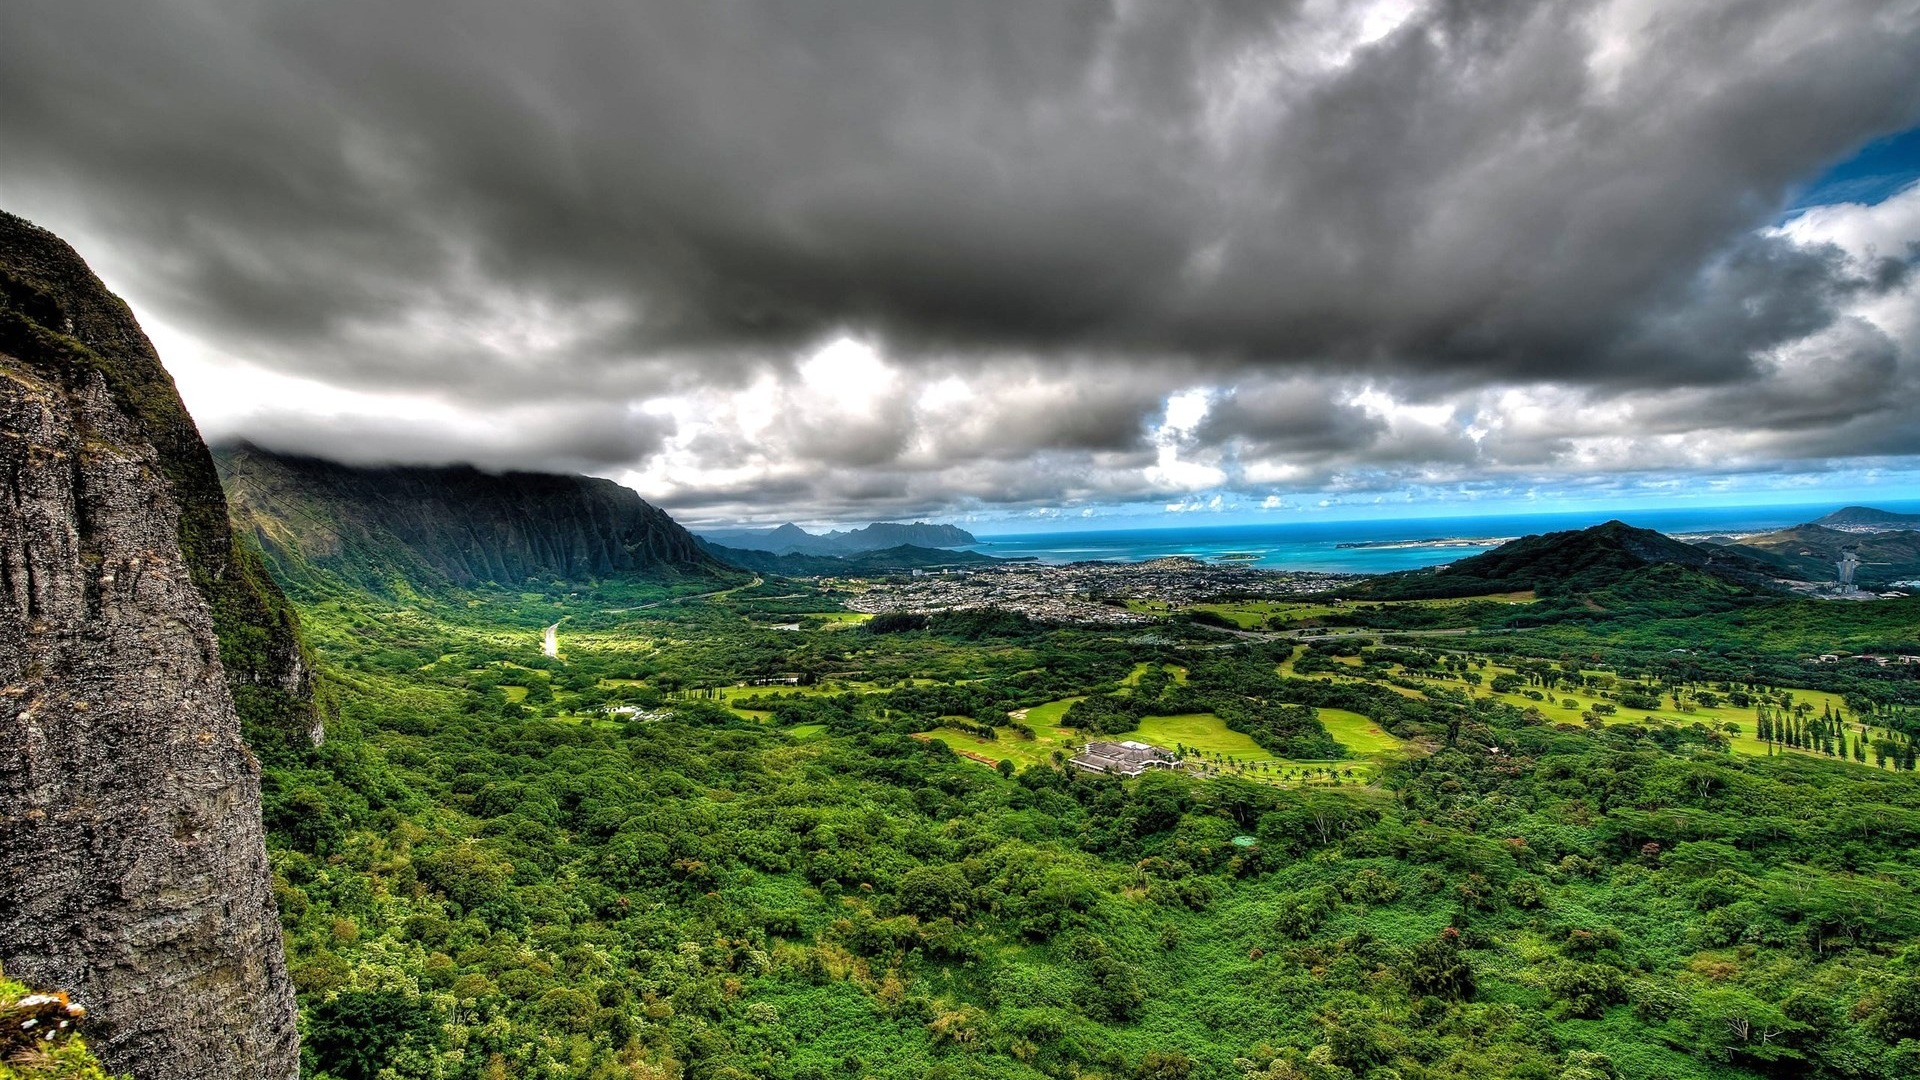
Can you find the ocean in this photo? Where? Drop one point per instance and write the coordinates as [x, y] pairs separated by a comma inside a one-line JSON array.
[[1414, 542]]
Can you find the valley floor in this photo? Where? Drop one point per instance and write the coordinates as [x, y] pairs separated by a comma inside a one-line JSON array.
[[752, 834]]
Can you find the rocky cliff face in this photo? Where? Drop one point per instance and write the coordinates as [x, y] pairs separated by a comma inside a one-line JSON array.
[[439, 527], [133, 865]]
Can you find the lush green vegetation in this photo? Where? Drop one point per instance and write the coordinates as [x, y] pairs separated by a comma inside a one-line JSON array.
[[40, 1037], [848, 851]]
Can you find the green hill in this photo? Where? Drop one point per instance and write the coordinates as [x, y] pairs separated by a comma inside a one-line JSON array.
[[1605, 566], [1869, 516]]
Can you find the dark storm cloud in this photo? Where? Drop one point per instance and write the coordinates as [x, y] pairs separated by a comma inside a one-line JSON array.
[[608, 200], [559, 437], [1469, 190], [1294, 417]]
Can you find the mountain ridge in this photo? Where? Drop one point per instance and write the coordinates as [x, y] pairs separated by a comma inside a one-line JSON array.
[[438, 527], [884, 560], [791, 539]]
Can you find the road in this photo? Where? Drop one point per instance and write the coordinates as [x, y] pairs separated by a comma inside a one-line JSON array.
[[683, 599]]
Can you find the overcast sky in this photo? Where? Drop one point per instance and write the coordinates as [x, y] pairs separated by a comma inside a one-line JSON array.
[[1011, 261]]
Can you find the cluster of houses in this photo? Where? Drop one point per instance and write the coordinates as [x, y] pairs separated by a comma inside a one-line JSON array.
[[1122, 758], [1865, 658]]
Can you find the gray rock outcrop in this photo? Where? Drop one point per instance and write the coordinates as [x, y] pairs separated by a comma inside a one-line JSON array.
[[133, 867]]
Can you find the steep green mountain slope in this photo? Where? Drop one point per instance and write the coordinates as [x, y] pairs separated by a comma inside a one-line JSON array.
[[430, 529]]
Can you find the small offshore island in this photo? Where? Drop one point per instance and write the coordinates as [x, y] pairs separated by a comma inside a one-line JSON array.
[[1434, 542]]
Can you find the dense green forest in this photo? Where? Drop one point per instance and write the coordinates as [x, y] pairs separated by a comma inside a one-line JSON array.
[[704, 841]]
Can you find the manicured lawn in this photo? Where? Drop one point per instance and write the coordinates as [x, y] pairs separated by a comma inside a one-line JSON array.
[[1208, 740], [1356, 732], [1010, 745], [1044, 716], [837, 620], [1201, 732]]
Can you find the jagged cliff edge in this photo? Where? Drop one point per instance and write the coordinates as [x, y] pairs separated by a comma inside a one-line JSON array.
[[134, 635]]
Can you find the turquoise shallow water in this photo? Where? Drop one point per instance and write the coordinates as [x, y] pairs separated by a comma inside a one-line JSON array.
[[1316, 545]]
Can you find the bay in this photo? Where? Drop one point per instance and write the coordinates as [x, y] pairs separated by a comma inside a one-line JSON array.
[[1384, 544]]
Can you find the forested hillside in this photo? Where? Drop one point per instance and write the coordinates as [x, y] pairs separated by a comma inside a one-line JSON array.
[[401, 528], [1614, 560], [751, 835]]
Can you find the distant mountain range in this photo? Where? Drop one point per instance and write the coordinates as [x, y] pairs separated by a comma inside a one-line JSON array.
[[451, 526], [791, 539], [885, 560]]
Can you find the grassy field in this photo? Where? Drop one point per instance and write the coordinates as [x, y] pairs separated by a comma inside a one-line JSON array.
[[1202, 733], [837, 620], [741, 698], [1565, 706], [1045, 716], [1357, 733], [1010, 746], [1207, 738], [1133, 677], [1556, 709], [1203, 737]]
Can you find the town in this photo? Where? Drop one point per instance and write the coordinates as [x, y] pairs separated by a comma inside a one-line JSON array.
[[1088, 592]]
